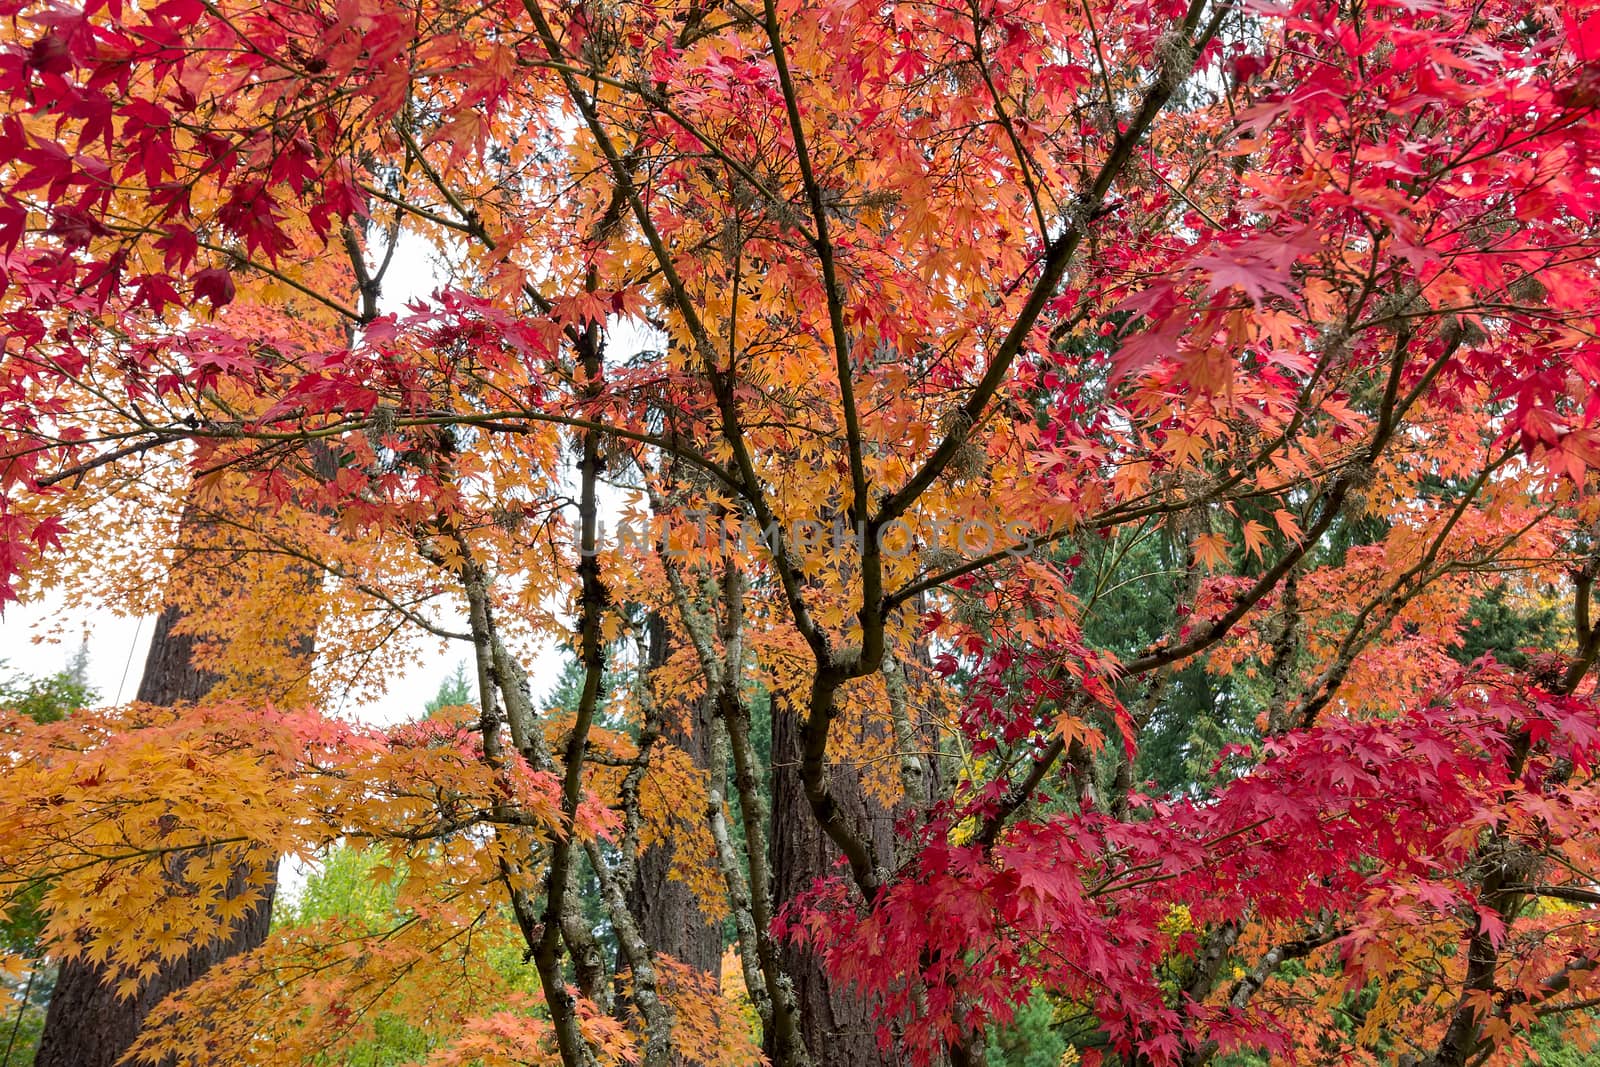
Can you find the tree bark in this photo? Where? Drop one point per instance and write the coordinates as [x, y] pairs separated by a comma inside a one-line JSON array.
[[836, 1023], [87, 1024], [670, 918]]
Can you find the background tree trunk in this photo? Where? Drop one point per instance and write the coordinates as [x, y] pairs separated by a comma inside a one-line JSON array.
[[669, 917], [87, 1024]]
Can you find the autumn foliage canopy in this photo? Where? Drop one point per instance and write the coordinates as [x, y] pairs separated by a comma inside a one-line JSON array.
[[1068, 358]]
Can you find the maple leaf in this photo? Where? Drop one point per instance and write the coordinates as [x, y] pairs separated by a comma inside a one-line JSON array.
[[1254, 535], [1259, 267], [214, 285], [1210, 551]]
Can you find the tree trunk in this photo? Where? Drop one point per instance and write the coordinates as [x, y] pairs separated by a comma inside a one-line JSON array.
[[170, 676], [669, 917], [837, 1024], [87, 1024]]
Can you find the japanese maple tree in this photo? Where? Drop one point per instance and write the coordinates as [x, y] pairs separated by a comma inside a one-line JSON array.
[[904, 339]]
